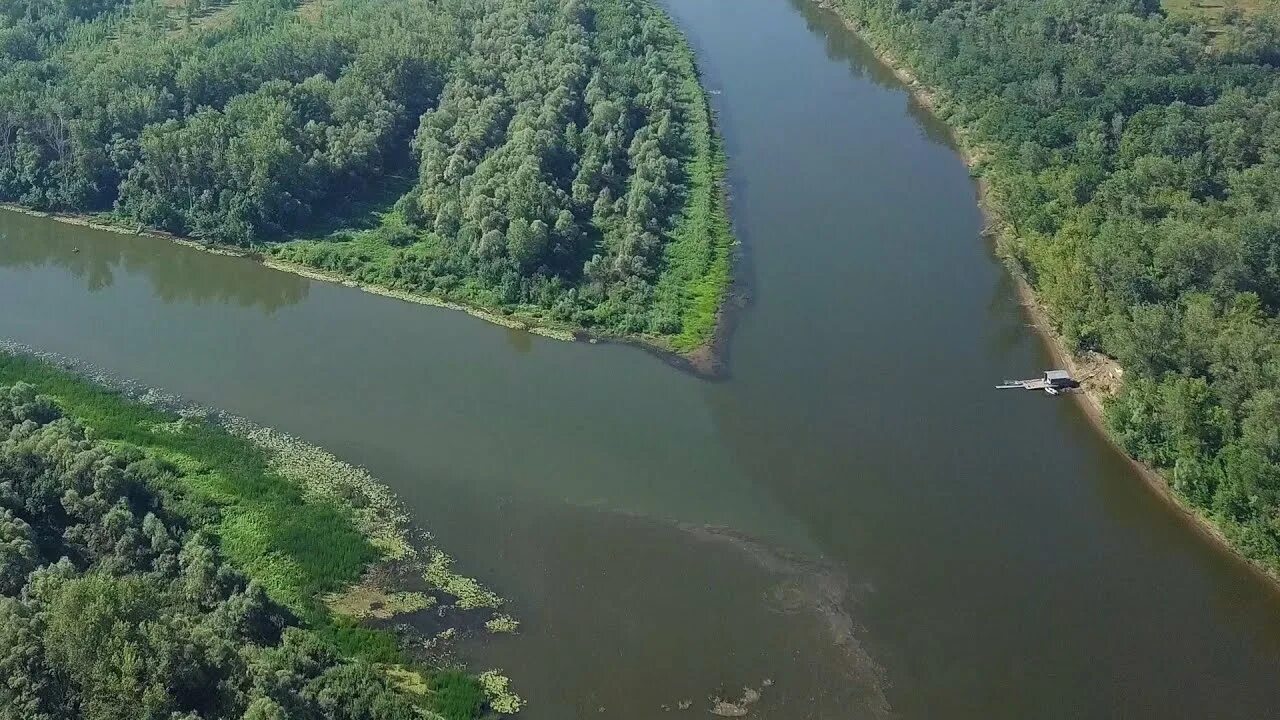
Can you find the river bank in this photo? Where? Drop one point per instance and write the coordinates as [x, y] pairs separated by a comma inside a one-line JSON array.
[[324, 538], [705, 359], [554, 331], [1100, 377]]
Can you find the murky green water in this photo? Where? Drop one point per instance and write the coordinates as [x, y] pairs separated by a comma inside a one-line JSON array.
[[854, 515]]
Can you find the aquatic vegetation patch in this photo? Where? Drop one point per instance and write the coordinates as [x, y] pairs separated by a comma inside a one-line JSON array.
[[470, 593], [497, 691], [502, 624], [372, 506], [735, 708]]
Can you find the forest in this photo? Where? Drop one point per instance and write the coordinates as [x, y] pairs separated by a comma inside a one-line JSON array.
[[1133, 157], [154, 567], [551, 160]]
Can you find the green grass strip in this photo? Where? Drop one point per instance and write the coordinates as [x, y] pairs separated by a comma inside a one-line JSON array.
[[298, 549], [697, 262]]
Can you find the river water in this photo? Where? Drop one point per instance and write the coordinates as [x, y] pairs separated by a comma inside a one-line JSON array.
[[853, 522]]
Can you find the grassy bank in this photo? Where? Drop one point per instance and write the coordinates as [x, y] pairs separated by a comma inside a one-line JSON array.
[[309, 529], [698, 268]]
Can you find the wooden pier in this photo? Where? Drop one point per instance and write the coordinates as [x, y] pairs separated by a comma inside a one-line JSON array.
[[1052, 382]]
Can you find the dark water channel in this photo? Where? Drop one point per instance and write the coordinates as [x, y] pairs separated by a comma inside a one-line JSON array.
[[854, 516]]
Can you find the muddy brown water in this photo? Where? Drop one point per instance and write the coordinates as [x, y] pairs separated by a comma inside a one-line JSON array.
[[854, 515]]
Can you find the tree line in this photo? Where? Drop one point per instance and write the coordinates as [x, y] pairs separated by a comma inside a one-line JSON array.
[[1135, 157], [226, 132], [544, 154]]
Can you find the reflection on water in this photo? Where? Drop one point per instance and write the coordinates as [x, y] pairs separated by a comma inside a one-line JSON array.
[[175, 273], [519, 340], [843, 46]]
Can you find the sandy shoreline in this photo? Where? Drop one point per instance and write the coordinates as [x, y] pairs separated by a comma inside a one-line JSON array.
[[1100, 376]]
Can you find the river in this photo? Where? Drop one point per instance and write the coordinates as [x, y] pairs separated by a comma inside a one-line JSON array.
[[853, 522]]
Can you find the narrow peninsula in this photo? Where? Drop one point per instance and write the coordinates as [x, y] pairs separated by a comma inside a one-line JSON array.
[[549, 165]]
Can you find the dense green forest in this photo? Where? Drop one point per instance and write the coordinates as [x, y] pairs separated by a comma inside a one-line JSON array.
[[154, 567], [554, 160], [1135, 159]]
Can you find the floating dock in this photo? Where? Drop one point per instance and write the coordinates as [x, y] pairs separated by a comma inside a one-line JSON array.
[[1052, 382]]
